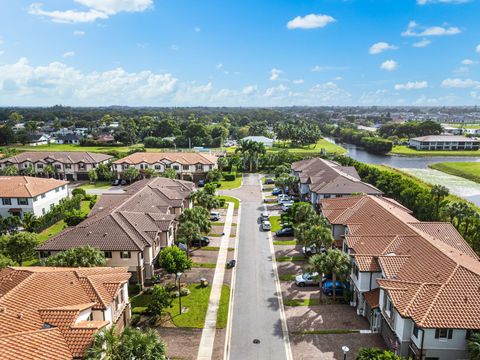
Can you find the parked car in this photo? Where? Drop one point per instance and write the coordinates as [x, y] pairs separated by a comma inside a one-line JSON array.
[[201, 183], [123, 182], [265, 216], [182, 246], [288, 231], [269, 181], [287, 205], [115, 182], [307, 279], [327, 287], [283, 197], [311, 250], [266, 226], [201, 241], [276, 191], [214, 216]]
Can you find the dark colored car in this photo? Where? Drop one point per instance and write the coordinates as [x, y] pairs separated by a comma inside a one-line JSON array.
[[201, 183], [123, 182], [202, 241], [327, 287], [115, 182], [276, 191], [269, 181], [288, 231]]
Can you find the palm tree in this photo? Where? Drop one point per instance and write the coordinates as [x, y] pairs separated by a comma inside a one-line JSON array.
[[338, 263], [250, 151], [10, 170], [28, 171], [199, 216], [49, 170], [188, 231], [473, 346], [302, 212], [30, 221], [318, 263], [206, 200], [439, 192], [105, 346], [365, 353]]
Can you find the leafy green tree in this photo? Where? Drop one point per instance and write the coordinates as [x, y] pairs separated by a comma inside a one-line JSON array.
[[338, 263], [150, 173], [5, 261], [169, 173], [79, 192], [280, 170], [318, 263], [104, 172], [131, 174], [214, 176], [30, 222], [21, 246], [10, 170], [473, 346], [209, 188], [28, 171], [83, 256], [222, 163], [49, 170], [365, 353], [74, 217], [287, 180], [92, 176], [439, 193], [314, 235], [160, 300], [302, 212], [173, 260]]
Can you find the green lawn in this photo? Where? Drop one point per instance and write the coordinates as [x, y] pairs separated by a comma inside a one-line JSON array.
[[222, 315], [226, 185], [405, 150], [275, 222], [214, 248], [287, 277], [467, 170], [286, 242], [71, 147], [235, 201], [197, 304], [290, 258], [204, 265], [100, 185], [301, 302]]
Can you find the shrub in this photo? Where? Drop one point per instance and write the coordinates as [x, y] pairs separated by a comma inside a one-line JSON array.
[[74, 217], [229, 176], [79, 191]]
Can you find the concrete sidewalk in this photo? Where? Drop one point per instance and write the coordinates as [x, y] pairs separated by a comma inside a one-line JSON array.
[[205, 350]]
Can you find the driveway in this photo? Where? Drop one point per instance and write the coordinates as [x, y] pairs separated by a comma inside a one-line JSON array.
[[256, 309]]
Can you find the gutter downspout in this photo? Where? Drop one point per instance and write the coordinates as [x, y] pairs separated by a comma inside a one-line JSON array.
[[370, 283], [421, 347]]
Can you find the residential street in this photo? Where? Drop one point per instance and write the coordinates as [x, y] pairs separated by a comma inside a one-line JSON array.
[[256, 311]]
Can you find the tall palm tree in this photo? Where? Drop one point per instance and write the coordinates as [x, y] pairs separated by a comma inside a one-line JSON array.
[[106, 345], [30, 221], [199, 216], [473, 346], [49, 170], [439, 192], [318, 263], [338, 263], [188, 231]]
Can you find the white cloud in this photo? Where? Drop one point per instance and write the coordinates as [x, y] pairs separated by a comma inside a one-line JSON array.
[[424, 2], [79, 33], [460, 83], [329, 93], [69, 54], [461, 70], [275, 91], [338, 78], [389, 65], [318, 68], [413, 29], [219, 66], [422, 43], [275, 74], [96, 9], [310, 21], [477, 49], [197, 29], [412, 85], [468, 62], [298, 81], [249, 89], [380, 47], [23, 83]]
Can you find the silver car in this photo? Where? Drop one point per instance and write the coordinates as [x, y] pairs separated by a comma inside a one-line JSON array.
[[266, 226], [265, 216], [307, 279]]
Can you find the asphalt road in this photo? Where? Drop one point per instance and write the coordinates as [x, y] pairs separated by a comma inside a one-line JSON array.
[[256, 313]]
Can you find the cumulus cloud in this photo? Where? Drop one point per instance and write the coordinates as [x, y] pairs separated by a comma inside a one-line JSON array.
[[468, 62], [422, 43], [69, 54], [298, 81], [389, 65], [275, 90], [329, 93], [310, 21], [275, 74], [460, 83], [95, 10], [319, 68], [413, 29], [412, 85], [249, 89], [380, 47], [477, 49]]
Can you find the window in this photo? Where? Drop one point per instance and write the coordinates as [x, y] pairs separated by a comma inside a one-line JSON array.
[[125, 255], [68, 166], [45, 254], [186, 167], [443, 334], [210, 167], [57, 190], [199, 167], [58, 167], [355, 270], [22, 201], [7, 201], [388, 306], [168, 166], [90, 317], [415, 331], [44, 196], [108, 254], [157, 167], [81, 166], [35, 198], [176, 167], [39, 166]]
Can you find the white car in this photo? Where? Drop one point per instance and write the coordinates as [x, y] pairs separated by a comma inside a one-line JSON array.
[[282, 198], [265, 216], [287, 205], [266, 226], [214, 216]]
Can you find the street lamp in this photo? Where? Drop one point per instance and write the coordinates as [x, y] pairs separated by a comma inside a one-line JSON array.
[[345, 350], [179, 274]]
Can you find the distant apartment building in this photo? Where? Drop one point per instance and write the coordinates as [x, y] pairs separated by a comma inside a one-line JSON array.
[[323, 179], [416, 282], [261, 139], [443, 142], [187, 165], [22, 194], [130, 227], [68, 165], [54, 313]]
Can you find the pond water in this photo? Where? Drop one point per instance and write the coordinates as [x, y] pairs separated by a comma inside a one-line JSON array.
[[418, 167]]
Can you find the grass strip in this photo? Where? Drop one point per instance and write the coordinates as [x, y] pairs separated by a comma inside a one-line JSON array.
[[214, 248], [204, 265], [290, 258], [301, 302], [235, 201], [466, 170], [222, 315], [286, 242], [289, 277]]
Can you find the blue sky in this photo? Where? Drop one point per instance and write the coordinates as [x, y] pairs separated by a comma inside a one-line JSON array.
[[239, 53]]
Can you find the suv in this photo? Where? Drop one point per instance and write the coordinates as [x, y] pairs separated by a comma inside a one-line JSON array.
[[214, 216], [287, 205], [201, 183], [265, 216], [307, 279], [276, 191], [288, 231], [311, 250], [269, 181], [327, 287], [201, 241], [266, 225]]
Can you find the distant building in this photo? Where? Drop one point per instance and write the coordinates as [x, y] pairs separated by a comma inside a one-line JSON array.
[[38, 139], [443, 142], [452, 130], [187, 165], [68, 165], [22, 194], [261, 139], [105, 138], [71, 138]]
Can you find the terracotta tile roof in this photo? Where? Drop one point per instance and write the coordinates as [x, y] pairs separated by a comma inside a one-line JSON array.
[[47, 344], [64, 157], [129, 221], [33, 298], [391, 264], [372, 297], [183, 158], [367, 263], [26, 186]]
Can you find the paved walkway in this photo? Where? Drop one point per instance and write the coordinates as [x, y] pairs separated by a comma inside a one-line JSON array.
[[258, 326], [205, 350]]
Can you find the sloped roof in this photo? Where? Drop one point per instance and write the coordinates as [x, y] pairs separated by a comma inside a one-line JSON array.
[[26, 186], [184, 158], [65, 157]]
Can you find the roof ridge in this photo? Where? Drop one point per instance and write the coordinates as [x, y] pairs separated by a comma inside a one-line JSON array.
[[123, 228], [95, 290]]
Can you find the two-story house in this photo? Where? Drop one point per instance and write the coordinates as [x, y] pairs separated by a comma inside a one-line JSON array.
[[323, 179], [22, 194], [67, 165], [187, 165], [54, 313], [130, 227]]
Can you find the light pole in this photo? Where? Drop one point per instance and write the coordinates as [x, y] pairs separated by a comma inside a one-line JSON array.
[[345, 350], [179, 274]]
